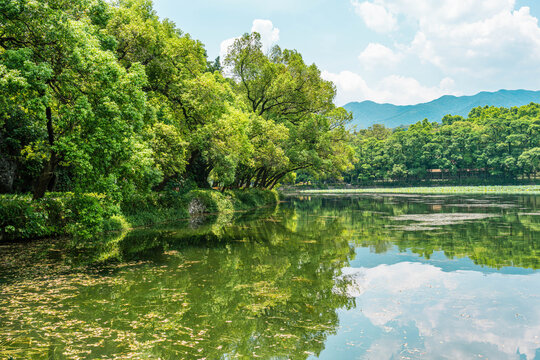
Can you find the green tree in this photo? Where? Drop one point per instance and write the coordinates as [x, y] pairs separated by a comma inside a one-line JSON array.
[[88, 104], [281, 88]]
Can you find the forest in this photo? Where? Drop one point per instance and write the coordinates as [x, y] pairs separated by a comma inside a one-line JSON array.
[[107, 98], [490, 145]]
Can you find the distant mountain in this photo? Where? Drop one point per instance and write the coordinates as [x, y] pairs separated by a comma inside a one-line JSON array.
[[367, 113]]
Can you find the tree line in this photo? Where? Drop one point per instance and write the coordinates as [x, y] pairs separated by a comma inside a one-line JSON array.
[[491, 143], [107, 97]]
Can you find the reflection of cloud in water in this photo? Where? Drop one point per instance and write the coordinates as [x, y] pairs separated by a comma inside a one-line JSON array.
[[458, 314]]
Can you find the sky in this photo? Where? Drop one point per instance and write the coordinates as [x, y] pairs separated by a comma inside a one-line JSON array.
[[388, 51]]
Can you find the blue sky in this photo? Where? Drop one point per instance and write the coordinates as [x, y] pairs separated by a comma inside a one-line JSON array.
[[397, 51]]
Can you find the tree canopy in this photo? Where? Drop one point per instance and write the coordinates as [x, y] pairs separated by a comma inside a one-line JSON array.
[[492, 143], [108, 97]]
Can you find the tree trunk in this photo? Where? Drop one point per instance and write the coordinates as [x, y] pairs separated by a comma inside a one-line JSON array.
[[48, 172], [276, 180], [8, 170], [198, 170], [46, 176]]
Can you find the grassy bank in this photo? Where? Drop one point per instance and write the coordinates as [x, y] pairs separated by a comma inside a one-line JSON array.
[[88, 215], [516, 190]]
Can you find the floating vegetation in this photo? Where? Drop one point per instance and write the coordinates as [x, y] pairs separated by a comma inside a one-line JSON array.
[[435, 221], [176, 300], [519, 189], [483, 205]]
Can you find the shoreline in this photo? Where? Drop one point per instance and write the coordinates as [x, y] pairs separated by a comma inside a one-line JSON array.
[[449, 190], [88, 216]]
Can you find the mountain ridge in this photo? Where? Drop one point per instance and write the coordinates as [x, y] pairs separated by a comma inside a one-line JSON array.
[[367, 113]]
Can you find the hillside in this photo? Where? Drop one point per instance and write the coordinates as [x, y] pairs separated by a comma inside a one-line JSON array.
[[367, 113]]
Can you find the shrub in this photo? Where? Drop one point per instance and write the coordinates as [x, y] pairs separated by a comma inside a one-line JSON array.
[[139, 203], [81, 215], [115, 223], [250, 198], [20, 218], [210, 201], [84, 216]]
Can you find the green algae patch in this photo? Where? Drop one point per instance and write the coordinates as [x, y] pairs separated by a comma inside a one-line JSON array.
[[435, 221]]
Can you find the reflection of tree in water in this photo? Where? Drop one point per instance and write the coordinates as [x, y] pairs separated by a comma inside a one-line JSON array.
[[267, 287], [509, 239]]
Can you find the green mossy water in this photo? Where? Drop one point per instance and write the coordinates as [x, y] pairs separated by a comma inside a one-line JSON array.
[[316, 277]]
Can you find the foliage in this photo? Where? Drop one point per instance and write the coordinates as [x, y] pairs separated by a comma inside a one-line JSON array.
[[86, 105], [285, 92], [85, 216], [79, 215], [491, 144], [216, 202], [106, 97], [252, 198]]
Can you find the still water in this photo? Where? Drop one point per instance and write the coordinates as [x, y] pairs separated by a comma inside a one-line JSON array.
[[359, 277]]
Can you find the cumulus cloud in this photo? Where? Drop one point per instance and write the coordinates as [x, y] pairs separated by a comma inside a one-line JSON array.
[[376, 55], [474, 45], [446, 11], [269, 36], [269, 33], [376, 16], [395, 89], [476, 38], [482, 48], [455, 313]]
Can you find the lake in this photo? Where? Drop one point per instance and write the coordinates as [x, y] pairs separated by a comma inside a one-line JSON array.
[[321, 277]]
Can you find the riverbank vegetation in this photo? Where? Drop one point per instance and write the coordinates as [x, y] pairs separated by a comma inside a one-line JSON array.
[[83, 216], [105, 103]]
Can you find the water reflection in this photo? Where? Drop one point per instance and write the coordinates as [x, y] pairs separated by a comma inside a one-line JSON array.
[[329, 277], [414, 310], [237, 291]]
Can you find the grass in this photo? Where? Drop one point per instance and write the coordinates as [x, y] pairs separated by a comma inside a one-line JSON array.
[[516, 190]]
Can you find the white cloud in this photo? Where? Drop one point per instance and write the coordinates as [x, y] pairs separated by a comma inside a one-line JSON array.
[[473, 45], [376, 55], [376, 17], [482, 48], [224, 47], [395, 89], [455, 313], [475, 38], [269, 36], [447, 11], [269, 33]]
